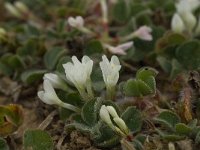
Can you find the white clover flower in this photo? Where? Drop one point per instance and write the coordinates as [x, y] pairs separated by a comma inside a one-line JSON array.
[[110, 70], [50, 97], [79, 72], [12, 10], [177, 24], [144, 33], [76, 22], [120, 49], [55, 80]]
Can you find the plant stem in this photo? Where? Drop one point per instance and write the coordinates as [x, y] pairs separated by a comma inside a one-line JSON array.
[[70, 107], [110, 92], [89, 90]]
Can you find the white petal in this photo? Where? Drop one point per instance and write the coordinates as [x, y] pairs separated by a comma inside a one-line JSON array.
[[177, 24], [104, 115], [112, 111], [125, 46], [80, 21], [71, 21]]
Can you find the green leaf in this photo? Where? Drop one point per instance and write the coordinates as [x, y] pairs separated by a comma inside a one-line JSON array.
[[121, 11], [170, 137], [105, 136], [133, 119], [146, 72], [136, 88], [93, 47], [29, 48], [168, 119], [52, 57], [188, 54], [62, 61], [164, 63], [5, 69], [131, 88], [3, 144], [176, 68], [173, 137], [37, 140], [15, 62], [78, 126], [88, 113], [33, 75], [11, 117], [182, 129], [197, 138]]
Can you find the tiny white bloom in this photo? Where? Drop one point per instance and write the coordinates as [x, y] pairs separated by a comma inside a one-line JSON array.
[[120, 49], [12, 10], [112, 111], [55, 80], [177, 24], [49, 95], [110, 70], [79, 72], [21, 7], [76, 22], [144, 33], [105, 116]]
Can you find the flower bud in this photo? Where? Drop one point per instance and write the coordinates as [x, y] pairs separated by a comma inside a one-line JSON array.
[[12, 10], [21, 7], [121, 124], [177, 24], [112, 111], [189, 20], [105, 116]]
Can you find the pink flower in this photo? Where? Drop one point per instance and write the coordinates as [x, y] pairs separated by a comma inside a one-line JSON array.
[[144, 33], [120, 49]]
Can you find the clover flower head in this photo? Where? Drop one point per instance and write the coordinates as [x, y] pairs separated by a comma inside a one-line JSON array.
[[110, 70], [49, 95], [78, 72]]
